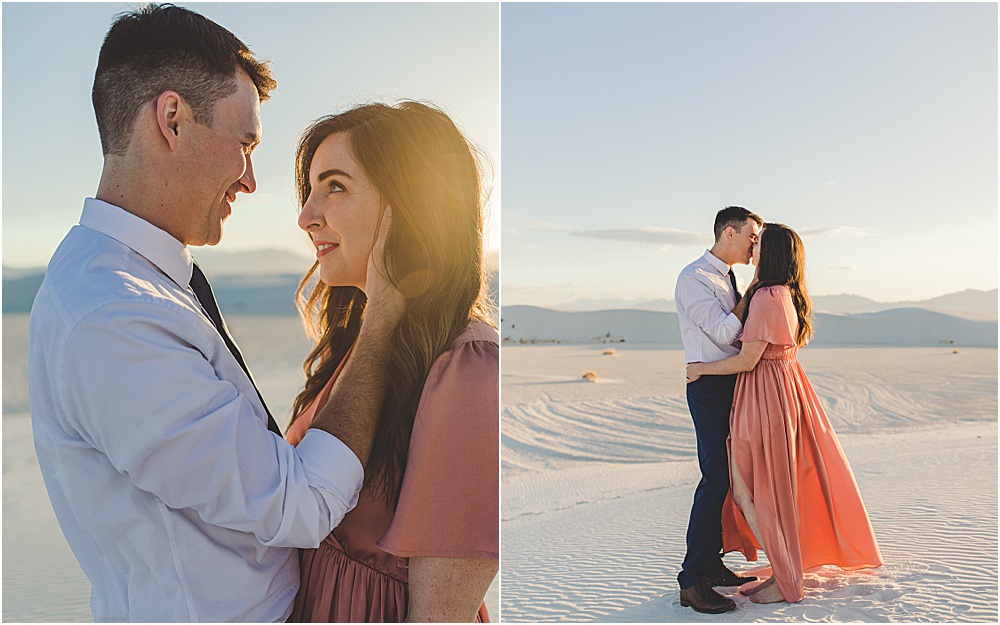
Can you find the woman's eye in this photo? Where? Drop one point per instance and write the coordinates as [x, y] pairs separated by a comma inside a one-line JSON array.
[[336, 187]]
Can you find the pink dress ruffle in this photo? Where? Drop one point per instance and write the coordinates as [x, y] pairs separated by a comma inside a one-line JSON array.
[[807, 502], [448, 506]]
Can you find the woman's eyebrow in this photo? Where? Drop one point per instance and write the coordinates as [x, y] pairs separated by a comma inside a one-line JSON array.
[[333, 172]]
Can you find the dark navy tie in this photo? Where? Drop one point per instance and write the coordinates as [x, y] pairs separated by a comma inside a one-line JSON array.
[[201, 287], [736, 290]]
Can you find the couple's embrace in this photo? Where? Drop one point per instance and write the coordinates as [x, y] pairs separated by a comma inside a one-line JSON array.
[[774, 476], [168, 475]]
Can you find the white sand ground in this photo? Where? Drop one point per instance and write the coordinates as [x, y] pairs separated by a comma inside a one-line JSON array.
[[598, 480], [41, 580]]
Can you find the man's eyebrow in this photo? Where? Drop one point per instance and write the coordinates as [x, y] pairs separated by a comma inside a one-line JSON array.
[[333, 172]]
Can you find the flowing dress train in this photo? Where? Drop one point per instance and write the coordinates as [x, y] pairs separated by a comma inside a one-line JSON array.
[[782, 446]]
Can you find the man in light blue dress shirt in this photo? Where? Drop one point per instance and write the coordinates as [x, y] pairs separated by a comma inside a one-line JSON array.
[[709, 309], [176, 499]]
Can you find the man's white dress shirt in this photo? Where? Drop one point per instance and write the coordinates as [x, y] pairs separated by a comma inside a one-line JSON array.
[[705, 301], [177, 501]]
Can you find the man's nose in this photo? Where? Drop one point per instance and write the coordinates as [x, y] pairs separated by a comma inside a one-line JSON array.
[[248, 184]]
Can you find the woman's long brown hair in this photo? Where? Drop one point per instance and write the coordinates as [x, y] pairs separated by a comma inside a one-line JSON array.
[[428, 173], [783, 263]]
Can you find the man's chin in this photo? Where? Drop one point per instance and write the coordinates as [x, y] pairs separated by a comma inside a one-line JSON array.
[[216, 237], [209, 241]]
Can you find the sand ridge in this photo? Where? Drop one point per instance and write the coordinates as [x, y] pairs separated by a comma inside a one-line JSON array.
[[594, 530]]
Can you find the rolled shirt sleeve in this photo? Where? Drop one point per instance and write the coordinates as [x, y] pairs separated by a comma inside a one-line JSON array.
[[141, 389]]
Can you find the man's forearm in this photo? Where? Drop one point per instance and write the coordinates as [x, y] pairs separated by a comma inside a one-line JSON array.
[[741, 307], [359, 391]]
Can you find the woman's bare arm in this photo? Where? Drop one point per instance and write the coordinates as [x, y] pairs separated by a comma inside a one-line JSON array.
[[743, 361], [448, 590]]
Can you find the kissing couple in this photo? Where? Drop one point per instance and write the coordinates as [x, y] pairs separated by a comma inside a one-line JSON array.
[[774, 476]]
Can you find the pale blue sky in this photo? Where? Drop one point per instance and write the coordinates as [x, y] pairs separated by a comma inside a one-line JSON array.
[[326, 57], [871, 129]]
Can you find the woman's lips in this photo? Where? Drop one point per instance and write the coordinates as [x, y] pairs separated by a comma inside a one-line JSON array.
[[323, 248]]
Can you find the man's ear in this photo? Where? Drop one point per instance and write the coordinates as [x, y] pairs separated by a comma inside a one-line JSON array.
[[170, 110]]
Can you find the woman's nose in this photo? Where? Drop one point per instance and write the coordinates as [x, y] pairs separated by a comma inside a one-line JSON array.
[[309, 217]]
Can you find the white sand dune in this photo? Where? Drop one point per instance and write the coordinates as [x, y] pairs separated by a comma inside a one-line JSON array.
[[598, 481]]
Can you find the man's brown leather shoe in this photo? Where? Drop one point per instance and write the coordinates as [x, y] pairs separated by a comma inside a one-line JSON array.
[[702, 598]]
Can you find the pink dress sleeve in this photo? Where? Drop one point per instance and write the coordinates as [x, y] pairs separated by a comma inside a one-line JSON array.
[[772, 317], [449, 504]]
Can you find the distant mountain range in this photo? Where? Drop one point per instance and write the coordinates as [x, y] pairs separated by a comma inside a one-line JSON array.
[[901, 326], [261, 282], [255, 263], [970, 303]]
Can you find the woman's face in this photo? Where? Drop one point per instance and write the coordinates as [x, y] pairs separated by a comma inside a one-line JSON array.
[[341, 213], [755, 251]]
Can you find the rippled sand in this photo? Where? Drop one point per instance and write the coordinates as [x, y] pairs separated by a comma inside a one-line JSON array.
[[598, 480]]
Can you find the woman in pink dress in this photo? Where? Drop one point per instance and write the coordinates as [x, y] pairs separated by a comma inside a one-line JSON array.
[[794, 491], [422, 544]]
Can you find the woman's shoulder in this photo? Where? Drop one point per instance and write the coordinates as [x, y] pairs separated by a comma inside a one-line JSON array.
[[476, 351], [470, 368], [777, 296], [772, 316], [776, 291], [457, 422], [477, 330], [449, 502]]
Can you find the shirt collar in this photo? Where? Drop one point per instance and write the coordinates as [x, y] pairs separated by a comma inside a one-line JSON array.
[[157, 246], [714, 261]]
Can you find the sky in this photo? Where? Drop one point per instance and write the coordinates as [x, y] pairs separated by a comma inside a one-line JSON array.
[[870, 129], [326, 58]]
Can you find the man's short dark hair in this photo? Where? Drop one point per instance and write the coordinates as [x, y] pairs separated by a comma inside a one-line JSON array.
[[160, 48], [734, 216]]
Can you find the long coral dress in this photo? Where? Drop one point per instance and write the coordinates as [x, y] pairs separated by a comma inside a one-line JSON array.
[[781, 443], [449, 503]]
